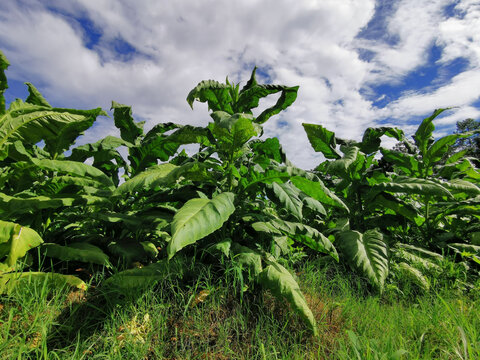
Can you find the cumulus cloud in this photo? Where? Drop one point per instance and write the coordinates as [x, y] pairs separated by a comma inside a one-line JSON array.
[[85, 53]]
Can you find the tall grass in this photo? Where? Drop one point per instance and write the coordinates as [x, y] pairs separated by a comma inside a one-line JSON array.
[[206, 318]]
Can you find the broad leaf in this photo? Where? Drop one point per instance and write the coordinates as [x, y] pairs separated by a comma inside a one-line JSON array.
[[166, 174], [16, 281], [312, 204], [306, 235], [318, 191], [30, 124], [461, 186], [232, 131], [410, 185], [153, 176], [390, 202], [74, 168], [158, 146], [146, 276], [258, 176], [287, 98], [322, 140], [281, 283], [366, 252], [249, 98], [83, 252], [423, 136], [222, 247], [288, 197], [15, 205], [100, 150], [371, 138], [340, 167], [440, 147], [413, 274], [424, 252], [249, 259], [407, 163], [15, 241], [34, 96], [215, 94], [199, 218], [129, 129]]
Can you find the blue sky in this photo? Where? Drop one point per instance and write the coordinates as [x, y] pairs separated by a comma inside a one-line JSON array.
[[358, 63]]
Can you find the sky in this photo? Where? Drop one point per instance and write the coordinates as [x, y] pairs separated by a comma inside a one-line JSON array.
[[359, 63]]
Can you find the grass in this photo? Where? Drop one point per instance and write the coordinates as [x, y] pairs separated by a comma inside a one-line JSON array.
[[206, 319]]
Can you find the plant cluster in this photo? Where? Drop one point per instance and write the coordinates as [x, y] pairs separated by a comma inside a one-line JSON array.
[[237, 204]]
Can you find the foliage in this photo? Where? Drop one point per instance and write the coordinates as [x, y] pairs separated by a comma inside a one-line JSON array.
[[407, 196], [237, 205]]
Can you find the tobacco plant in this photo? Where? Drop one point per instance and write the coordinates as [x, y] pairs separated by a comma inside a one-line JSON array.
[[236, 204], [233, 199], [396, 214]]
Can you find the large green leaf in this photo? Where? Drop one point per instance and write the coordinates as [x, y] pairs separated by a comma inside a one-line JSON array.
[[461, 186], [407, 163], [422, 262], [413, 274], [371, 138], [420, 250], [461, 167], [133, 250], [287, 196], [166, 174], [249, 259], [34, 96], [318, 191], [440, 147], [281, 283], [74, 168], [248, 99], [12, 281], [232, 131], [215, 94], [322, 140], [252, 92], [385, 200], [199, 218], [153, 176], [302, 233], [287, 98], [423, 136], [31, 123], [83, 252], [312, 204], [340, 167], [15, 241], [367, 253], [103, 150], [16, 205], [147, 275], [129, 129], [158, 146], [269, 148], [258, 176], [408, 185]]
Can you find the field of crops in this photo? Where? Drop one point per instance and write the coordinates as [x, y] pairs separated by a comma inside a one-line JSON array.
[[232, 252]]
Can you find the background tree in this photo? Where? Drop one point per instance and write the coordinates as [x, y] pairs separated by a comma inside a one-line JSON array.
[[472, 143]]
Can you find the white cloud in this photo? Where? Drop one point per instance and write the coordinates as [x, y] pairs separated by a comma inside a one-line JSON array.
[[310, 43]]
